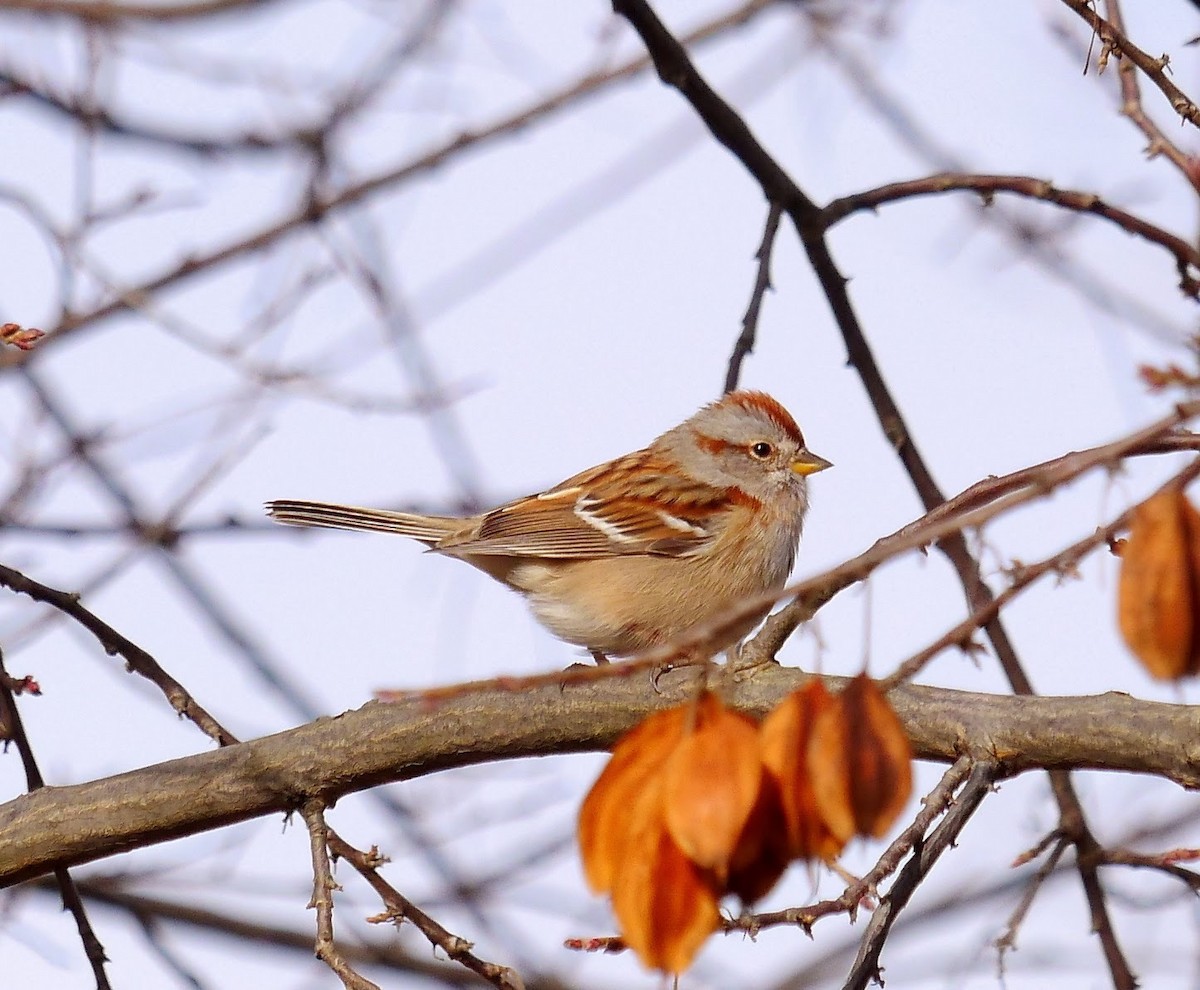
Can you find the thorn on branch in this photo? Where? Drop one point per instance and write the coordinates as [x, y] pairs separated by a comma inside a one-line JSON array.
[[375, 859], [1108, 48], [1068, 571], [1015, 571], [388, 917], [1185, 108], [971, 646]]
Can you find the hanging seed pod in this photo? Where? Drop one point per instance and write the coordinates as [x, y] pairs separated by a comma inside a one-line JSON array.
[[860, 762], [605, 820], [665, 901], [711, 783], [1158, 599], [666, 906], [784, 739]]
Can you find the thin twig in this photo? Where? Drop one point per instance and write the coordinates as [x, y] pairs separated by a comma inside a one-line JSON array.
[[152, 931], [1089, 855], [1131, 107], [932, 806], [112, 892], [138, 660], [1097, 290], [866, 964], [1118, 44], [1165, 862], [109, 13], [13, 729], [762, 282], [1187, 257], [399, 909], [1024, 576], [1008, 939], [313, 812]]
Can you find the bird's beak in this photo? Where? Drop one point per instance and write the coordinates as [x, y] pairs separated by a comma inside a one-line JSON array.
[[807, 463]]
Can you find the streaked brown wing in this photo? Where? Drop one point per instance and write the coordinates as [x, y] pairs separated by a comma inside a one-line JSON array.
[[606, 511]]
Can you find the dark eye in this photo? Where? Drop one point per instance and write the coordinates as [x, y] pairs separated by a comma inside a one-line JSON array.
[[762, 450]]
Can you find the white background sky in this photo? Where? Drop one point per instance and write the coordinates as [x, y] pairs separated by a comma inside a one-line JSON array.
[[616, 327]]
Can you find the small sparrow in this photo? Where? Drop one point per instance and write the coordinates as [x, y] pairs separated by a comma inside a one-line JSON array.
[[630, 554]]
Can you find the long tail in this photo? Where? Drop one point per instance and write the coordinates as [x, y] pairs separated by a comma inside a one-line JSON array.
[[328, 515]]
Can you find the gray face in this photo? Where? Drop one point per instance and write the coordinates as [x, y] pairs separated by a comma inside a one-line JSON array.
[[734, 446]]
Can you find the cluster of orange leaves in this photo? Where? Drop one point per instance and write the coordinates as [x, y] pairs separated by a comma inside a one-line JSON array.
[[1158, 600], [701, 801]]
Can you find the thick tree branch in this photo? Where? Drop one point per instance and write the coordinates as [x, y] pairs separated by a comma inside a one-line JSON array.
[[381, 743]]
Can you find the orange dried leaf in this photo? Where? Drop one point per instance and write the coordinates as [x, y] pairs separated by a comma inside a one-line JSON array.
[[829, 770], [880, 757], [861, 761], [666, 906], [784, 742], [711, 783], [605, 819], [1191, 523], [1157, 593]]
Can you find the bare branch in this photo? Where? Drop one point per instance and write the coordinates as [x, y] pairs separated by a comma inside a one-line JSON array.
[[1089, 854], [762, 282], [1024, 575], [1187, 257], [399, 908], [112, 892], [866, 965], [933, 805], [105, 12], [115, 644], [1114, 41], [1008, 940], [316, 208], [313, 812], [12, 728], [1131, 107]]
